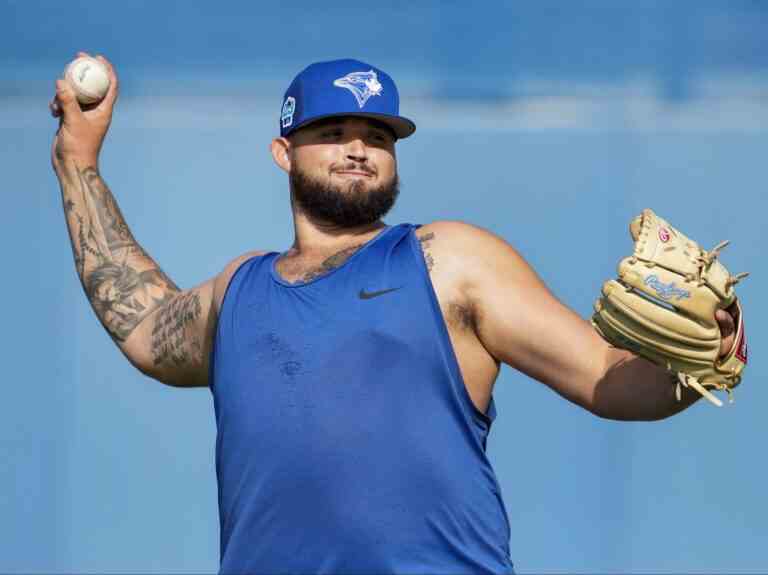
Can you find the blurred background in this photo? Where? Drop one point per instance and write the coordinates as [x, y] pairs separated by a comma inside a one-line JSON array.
[[550, 123]]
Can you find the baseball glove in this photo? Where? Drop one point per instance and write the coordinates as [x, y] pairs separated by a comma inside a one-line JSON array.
[[662, 307]]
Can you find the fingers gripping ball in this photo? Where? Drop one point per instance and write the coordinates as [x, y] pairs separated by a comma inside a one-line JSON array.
[[89, 79], [662, 307]]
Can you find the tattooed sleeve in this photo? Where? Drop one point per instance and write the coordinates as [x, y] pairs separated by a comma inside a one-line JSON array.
[[123, 284]]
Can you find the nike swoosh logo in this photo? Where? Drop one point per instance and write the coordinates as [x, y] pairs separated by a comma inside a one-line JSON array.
[[372, 294]]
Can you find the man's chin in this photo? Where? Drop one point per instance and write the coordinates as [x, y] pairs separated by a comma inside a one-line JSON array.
[[358, 186], [352, 183], [347, 200]]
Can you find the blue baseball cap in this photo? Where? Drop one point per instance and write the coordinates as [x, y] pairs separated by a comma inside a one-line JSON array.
[[342, 88]]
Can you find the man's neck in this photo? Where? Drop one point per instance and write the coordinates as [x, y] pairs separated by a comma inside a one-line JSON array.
[[317, 238]]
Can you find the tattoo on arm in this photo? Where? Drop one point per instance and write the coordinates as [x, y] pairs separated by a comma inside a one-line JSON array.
[[424, 241], [122, 282], [106, 211], [172, 343]]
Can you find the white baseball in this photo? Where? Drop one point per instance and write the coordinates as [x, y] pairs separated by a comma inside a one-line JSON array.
[[89, 79]]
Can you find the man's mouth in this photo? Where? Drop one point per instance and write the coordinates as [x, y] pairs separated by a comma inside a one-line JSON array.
[[355, 172]]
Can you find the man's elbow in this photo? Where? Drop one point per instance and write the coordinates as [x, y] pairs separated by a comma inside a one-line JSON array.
[[614, 412], [636, 390], [177, 377]]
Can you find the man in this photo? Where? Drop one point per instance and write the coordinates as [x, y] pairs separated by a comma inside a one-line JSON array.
[[352, 375]]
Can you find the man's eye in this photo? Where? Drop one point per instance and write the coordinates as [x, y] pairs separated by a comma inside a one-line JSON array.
[[331, 134]]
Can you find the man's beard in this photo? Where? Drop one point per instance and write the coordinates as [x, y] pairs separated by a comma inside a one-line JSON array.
[[353, 206]]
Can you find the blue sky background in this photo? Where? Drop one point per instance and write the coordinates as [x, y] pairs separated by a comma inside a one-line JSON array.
[[551, 123]]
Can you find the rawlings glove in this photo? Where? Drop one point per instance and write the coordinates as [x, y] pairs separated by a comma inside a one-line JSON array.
[[662, 307]]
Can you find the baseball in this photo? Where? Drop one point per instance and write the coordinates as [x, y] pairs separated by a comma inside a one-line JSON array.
[[89, 79]]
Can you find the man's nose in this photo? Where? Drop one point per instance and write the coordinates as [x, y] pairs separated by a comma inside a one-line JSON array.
[[356, 150]]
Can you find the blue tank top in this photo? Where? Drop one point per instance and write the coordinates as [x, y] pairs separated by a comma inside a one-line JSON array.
[[346, 440]]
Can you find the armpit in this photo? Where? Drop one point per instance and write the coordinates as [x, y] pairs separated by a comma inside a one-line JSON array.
[[459, 317]]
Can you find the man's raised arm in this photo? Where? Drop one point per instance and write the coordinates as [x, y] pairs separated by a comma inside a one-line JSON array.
[[162, 330]]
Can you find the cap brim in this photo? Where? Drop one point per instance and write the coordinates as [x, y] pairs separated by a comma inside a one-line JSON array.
[[402, 127]]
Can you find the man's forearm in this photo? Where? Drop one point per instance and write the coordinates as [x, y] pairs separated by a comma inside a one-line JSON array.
[[122, 282], [634, 389]]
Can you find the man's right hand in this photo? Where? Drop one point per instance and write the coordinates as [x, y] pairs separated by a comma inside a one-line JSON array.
[[81, 131]]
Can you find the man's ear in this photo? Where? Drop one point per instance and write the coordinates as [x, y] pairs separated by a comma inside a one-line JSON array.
[[281, 153]]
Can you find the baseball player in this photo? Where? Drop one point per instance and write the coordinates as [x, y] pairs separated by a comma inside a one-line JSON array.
[[352, 374]]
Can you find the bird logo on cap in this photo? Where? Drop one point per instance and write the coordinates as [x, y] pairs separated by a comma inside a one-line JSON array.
[[363, 85]]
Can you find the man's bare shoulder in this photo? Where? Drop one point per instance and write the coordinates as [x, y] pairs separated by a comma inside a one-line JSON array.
[[461, 244], [221, 281], [456, 232]]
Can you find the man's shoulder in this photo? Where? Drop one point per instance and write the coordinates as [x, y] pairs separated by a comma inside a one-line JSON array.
[[457, 237], [232, 266], [463, 252], [221, 281]]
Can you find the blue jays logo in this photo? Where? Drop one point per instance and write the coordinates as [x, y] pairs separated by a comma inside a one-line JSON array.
[[362, 84], [666, 291], [286, 115]]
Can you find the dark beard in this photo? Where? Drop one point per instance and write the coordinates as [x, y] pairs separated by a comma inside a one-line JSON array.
[[352, 207]]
